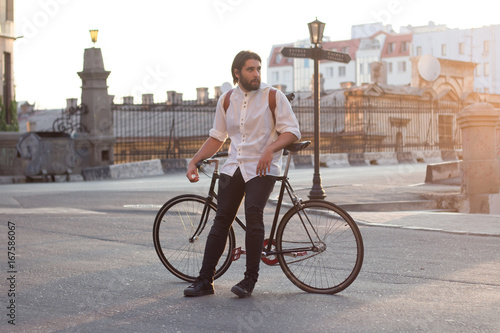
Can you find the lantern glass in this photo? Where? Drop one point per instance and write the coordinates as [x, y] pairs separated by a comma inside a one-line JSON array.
[[316, 29], [93, 35]]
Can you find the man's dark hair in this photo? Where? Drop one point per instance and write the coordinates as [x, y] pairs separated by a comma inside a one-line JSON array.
[[239, 62]]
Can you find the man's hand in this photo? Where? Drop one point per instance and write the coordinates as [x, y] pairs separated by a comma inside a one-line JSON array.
[[264, 165], [192, 173]]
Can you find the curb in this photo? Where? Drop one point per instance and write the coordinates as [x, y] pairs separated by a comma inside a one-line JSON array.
[[124, 170], [157, 167], [442, 171]]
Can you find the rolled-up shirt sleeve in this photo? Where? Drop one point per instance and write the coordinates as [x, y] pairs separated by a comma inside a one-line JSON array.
[[285, 118], [219, 128]]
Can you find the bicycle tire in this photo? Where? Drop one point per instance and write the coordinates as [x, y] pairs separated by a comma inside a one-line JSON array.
[[175, 224], [338, 261]]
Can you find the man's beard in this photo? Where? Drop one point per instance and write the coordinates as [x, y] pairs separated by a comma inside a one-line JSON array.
[[250, 85]]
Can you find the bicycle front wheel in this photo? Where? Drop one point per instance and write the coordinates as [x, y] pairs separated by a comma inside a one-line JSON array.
[[321, 247], [180, 231]]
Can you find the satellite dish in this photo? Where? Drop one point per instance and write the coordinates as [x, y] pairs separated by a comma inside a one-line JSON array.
[[226, 86], [429, 67]]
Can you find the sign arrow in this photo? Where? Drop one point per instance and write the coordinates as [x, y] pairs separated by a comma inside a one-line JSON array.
[[335, 56], [297, 52]]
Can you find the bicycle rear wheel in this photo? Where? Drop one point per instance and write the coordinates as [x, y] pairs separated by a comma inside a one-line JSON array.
[[332, 260], [179, 235]]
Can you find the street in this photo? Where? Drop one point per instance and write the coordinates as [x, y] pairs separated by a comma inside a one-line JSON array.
[[84, 261]]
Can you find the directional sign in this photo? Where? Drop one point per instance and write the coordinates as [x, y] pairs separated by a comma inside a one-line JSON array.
[[315, 53], [335, 56], [297, 52]]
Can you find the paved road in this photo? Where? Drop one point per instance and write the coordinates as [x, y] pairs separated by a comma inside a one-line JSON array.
[[84, 262]]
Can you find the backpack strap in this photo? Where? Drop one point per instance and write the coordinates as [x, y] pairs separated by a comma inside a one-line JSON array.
[[272, 101], [226, 99]]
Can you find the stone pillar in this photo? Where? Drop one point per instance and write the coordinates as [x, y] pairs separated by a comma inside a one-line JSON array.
[[480, 170], [129, 100], [202, 95], [217, 92], [98, 143], [498, 142], [171, 97], [71, 103], [148, 99]]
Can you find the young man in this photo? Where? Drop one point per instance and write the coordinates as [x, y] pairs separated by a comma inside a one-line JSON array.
[[258, 137]]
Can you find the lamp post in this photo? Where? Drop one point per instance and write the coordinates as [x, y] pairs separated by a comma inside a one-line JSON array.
[[317, 53], [316, 29], [93, 35]]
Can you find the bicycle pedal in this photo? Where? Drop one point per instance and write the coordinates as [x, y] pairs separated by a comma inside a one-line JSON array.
[[237, 252]]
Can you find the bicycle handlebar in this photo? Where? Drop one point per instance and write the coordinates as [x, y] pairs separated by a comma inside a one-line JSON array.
[[294, 148]]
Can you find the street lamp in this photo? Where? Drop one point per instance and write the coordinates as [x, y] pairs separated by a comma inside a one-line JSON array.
[[93, 36], [316, 29]]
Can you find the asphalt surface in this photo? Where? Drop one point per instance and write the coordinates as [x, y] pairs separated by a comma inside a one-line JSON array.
[[84, 262]]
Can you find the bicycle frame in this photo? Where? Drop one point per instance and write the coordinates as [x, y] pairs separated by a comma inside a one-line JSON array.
[[285, 185]]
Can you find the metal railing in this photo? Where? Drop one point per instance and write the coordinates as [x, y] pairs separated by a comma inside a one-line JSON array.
[[366, 125]]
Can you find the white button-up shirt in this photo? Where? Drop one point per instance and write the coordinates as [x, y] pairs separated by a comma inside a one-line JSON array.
[[249, 123]]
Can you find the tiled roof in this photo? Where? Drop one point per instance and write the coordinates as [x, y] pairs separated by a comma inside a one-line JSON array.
[[277, 59], [349, 46], [397, 46]]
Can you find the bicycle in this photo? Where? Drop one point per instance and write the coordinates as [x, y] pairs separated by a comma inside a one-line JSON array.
[[317, 244]]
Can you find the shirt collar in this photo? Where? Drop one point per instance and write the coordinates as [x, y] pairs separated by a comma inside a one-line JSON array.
[[262, 87]]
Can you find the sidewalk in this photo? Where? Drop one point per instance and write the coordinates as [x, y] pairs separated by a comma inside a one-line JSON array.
[[420, 206], [410, 205]]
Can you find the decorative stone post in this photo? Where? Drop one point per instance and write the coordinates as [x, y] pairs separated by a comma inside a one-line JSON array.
[[480, 172], [99, 119]]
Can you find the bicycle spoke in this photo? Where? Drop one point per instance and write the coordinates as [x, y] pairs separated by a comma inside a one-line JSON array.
[[335, 254], [179, 235]]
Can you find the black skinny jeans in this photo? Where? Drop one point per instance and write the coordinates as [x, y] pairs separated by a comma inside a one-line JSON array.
[[231, 192]]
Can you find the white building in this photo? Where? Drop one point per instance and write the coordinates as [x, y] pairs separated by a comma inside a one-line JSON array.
[[392, 53], [280, 69], [477, 45]]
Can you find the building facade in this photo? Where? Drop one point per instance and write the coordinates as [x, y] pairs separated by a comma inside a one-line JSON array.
[[380, 55], [476, 45], [6, 54]]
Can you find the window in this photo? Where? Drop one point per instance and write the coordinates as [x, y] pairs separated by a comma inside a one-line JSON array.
[[329, 72], [287, 75], [278, 58], [390, 67], [461, 48], [402, 66], [486, 69], [9, 10], [443, 49], [275, 77], [419, 50], [341, 71], [345, 49], [478, 70], [361, 69], [404, 47], [306, 63], [486, 46], [390, 47]]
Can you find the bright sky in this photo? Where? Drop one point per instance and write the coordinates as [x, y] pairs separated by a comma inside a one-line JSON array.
[[153, 46]]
